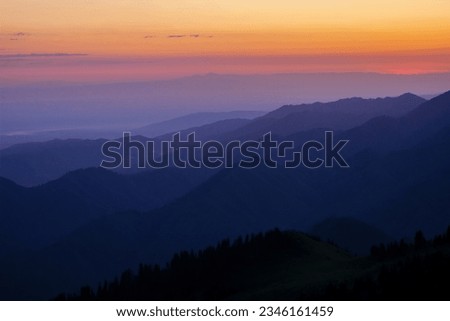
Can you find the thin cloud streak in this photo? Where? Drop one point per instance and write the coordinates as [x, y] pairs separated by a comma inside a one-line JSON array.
[[192, 35], [42, 55], [20, 34]]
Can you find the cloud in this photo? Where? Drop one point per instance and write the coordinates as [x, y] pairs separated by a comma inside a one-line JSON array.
[[39, 55], [18, 35], [192, 35], [148, 36]]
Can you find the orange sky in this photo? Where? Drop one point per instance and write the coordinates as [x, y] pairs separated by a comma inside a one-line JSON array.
[[323, 35]]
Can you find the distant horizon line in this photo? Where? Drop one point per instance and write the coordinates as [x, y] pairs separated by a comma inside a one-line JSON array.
[[16, 82]]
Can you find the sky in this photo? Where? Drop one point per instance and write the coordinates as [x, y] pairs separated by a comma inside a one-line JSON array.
[[112, 40], [60, 60]]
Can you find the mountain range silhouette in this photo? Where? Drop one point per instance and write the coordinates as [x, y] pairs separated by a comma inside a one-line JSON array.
[[75, 224]]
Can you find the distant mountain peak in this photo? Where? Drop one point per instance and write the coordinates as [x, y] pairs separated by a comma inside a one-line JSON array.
[[352, 104], [443, 96], [435, 107], [409, 95]]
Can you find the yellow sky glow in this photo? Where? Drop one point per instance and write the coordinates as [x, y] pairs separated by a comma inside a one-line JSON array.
[[156, 28]]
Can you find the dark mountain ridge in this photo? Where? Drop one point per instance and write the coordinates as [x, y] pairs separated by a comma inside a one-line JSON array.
[[41, 215], [288, 266], [338, 115]]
